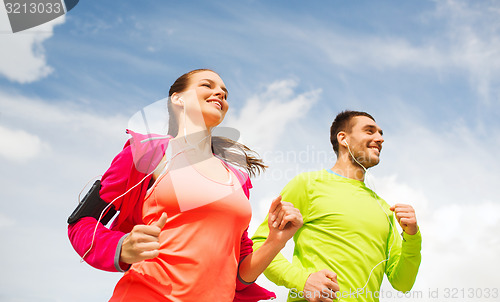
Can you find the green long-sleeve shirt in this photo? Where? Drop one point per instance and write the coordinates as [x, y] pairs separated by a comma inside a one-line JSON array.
[[347, 229]]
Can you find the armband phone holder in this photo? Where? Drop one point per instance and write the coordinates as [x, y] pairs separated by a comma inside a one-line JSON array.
[[92, 205]]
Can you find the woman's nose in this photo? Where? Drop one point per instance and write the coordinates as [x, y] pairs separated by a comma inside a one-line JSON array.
[[218, 91]]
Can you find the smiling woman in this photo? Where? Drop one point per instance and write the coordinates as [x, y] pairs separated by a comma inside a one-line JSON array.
[[184, 206], [202, 82]]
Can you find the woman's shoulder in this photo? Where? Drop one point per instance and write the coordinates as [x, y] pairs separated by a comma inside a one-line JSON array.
[[138, 158], [146, 150]]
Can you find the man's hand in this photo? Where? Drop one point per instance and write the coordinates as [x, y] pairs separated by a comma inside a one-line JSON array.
[[405, 214], [283, 221], [143, 242], [321, 286]]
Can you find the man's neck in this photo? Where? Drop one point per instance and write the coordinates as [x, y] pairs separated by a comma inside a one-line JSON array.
[[347, 168]]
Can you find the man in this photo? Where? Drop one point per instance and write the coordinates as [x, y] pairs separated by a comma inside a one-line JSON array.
[[349, 237]]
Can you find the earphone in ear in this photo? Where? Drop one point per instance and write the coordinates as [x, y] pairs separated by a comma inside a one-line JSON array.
[[345, 141], [177, 98]]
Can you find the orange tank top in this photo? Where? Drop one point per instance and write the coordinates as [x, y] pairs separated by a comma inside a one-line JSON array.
[[200, 243]]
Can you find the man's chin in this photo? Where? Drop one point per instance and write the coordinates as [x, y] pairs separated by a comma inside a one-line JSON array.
[[372, 162]]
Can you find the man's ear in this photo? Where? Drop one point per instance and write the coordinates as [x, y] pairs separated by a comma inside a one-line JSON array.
[[341, 138]]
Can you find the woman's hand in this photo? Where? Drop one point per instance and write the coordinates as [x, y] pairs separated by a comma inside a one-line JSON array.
[[283, 220], [143, 242]]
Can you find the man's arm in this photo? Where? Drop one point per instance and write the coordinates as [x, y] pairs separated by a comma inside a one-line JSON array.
[[284, 221], [281, 271], [294, 276], [405, 254]]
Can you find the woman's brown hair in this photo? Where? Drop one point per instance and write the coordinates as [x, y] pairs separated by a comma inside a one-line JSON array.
[[223, 147]]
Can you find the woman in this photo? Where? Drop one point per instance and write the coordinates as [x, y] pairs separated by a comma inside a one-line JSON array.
[[185, 208]]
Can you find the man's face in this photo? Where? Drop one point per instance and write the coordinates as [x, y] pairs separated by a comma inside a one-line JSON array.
[[365, 141]]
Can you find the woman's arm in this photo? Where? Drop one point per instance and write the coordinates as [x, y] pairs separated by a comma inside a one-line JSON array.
[[124, 186], [284, 220], [98, 249], [99, 246]]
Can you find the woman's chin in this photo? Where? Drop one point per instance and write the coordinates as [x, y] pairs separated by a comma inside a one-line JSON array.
[[213, 120]]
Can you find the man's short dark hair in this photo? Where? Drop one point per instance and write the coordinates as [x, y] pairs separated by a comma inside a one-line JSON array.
[[342, 122]]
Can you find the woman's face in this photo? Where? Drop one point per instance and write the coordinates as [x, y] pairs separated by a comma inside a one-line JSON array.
[[211, 94]]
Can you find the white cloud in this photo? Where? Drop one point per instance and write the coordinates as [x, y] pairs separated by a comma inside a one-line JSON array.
[[36, 200], [6, 221], [376, 52], [264, 117], [472, 41], [19, 145], [464, 42], [22, 56], [393, 191], [64, 118], [453, 163]]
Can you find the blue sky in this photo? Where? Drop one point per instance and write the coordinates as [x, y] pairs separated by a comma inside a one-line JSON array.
[[427, 70]]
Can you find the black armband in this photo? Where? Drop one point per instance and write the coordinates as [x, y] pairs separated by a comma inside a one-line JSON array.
[[92, 206]]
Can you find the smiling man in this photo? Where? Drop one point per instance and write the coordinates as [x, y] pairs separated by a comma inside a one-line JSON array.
[[349, 238]]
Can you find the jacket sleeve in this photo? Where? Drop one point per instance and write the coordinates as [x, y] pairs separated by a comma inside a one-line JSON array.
[[280, 271], [404, 260], [100, 249], [99, 246], [248, 292], [246, 243], [245, 250]]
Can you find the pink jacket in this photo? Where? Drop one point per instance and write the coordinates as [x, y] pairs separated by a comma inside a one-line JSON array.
[[140, 156]]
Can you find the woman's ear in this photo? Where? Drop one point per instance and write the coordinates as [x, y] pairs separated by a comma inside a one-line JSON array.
[[177, 99]]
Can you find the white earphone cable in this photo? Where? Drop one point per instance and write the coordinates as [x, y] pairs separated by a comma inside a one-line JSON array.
[[360, 290]]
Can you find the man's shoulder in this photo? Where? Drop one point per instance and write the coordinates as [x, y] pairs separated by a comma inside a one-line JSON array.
[[309, 177], [317, 174]]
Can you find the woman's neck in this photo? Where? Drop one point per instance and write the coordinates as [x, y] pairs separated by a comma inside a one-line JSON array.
[[194, 139]]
